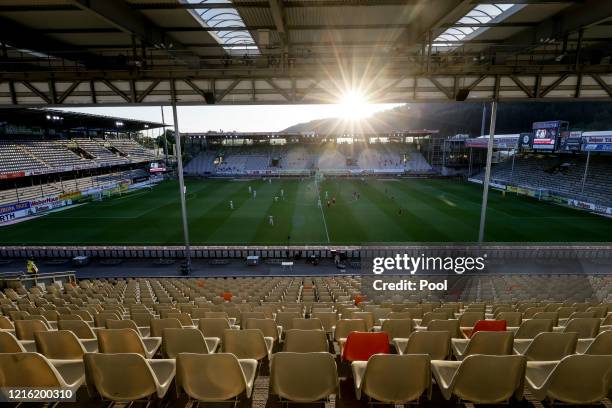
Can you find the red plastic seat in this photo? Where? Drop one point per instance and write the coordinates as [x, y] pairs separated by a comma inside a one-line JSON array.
[[360, 346], [227, 296], [487, 325]]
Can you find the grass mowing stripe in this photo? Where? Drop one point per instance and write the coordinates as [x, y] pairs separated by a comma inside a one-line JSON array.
[[435, 211]]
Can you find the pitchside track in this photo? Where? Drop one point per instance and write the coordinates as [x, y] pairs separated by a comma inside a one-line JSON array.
[[431, 211]]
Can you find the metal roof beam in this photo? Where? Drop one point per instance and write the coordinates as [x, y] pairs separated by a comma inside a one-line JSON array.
[[278, 14], [119, 14], [21, 37], [263, 5], [555, 28], [431, 16]]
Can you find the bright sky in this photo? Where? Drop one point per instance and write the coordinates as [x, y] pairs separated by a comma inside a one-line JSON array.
[[244, 118]]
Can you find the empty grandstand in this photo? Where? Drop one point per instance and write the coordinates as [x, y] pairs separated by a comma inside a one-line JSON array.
[[563, 175], [61, 158], [330, 158]]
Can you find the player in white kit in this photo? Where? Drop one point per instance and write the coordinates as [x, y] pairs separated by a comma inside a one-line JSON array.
[[271, 220], [231, 204]]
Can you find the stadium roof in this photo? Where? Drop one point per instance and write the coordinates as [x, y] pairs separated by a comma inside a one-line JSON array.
[[52, 118], [75, 52]]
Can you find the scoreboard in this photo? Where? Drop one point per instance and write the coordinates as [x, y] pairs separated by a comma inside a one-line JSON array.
[[547, 134]]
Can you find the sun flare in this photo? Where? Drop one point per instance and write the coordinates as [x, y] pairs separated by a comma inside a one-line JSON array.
[[354, 105]]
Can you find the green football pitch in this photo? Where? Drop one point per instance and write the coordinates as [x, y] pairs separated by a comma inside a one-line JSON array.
[[431, 211]]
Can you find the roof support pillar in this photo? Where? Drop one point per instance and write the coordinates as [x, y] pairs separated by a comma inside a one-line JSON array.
[[179, 161], [487, 179]]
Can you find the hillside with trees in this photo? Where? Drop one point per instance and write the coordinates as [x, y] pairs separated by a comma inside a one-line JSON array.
[[453, 118]]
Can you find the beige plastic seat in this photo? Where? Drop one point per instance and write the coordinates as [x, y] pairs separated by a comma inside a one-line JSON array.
[[367, 317], [267, 326], [481, 379], [577, 379], [451, 326], [40, 318], [127, 377], [142, 319], [346, 326], [214, 326], [306, 341], [25, 329], [59, 345], [158, 325], [469, 319], [548, 346], [303, 377], [10, 344], [100, 318], [309, 324], [112, 341], [600, 311], [250, 315], [554, 316], [220, 315], [397, 328], [531, 311], [436, 344], [513, 319], [285, 319], [399, 315], [531, 328], [586, 327], [247, 343], [184, 318], [496, 343], [33, 370], [327, 319], [198, 376], [601, 345], [393, 379], [429, 316], [187, 340], [128, 324], [81, 329], [5, 323]]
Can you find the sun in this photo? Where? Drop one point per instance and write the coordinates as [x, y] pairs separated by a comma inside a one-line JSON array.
[[354, 105]]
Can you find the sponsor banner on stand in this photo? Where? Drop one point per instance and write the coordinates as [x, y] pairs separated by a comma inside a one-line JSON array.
[[14, 174], [585, 205], [7, 217], [73, 195], [5, 209]]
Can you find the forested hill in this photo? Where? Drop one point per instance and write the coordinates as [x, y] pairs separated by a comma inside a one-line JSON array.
[[453, 118]]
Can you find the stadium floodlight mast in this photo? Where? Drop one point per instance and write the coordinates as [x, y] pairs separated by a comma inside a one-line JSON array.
[[487, 178]]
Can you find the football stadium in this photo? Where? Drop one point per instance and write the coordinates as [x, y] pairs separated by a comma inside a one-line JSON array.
[[271, 203]]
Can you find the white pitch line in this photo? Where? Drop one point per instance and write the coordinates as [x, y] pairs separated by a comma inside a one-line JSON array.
[[321, 208]]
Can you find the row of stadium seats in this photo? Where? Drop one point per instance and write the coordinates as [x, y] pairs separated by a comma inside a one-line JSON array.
[[559, 174], [25, 194], [104, 334], [36, 154]]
